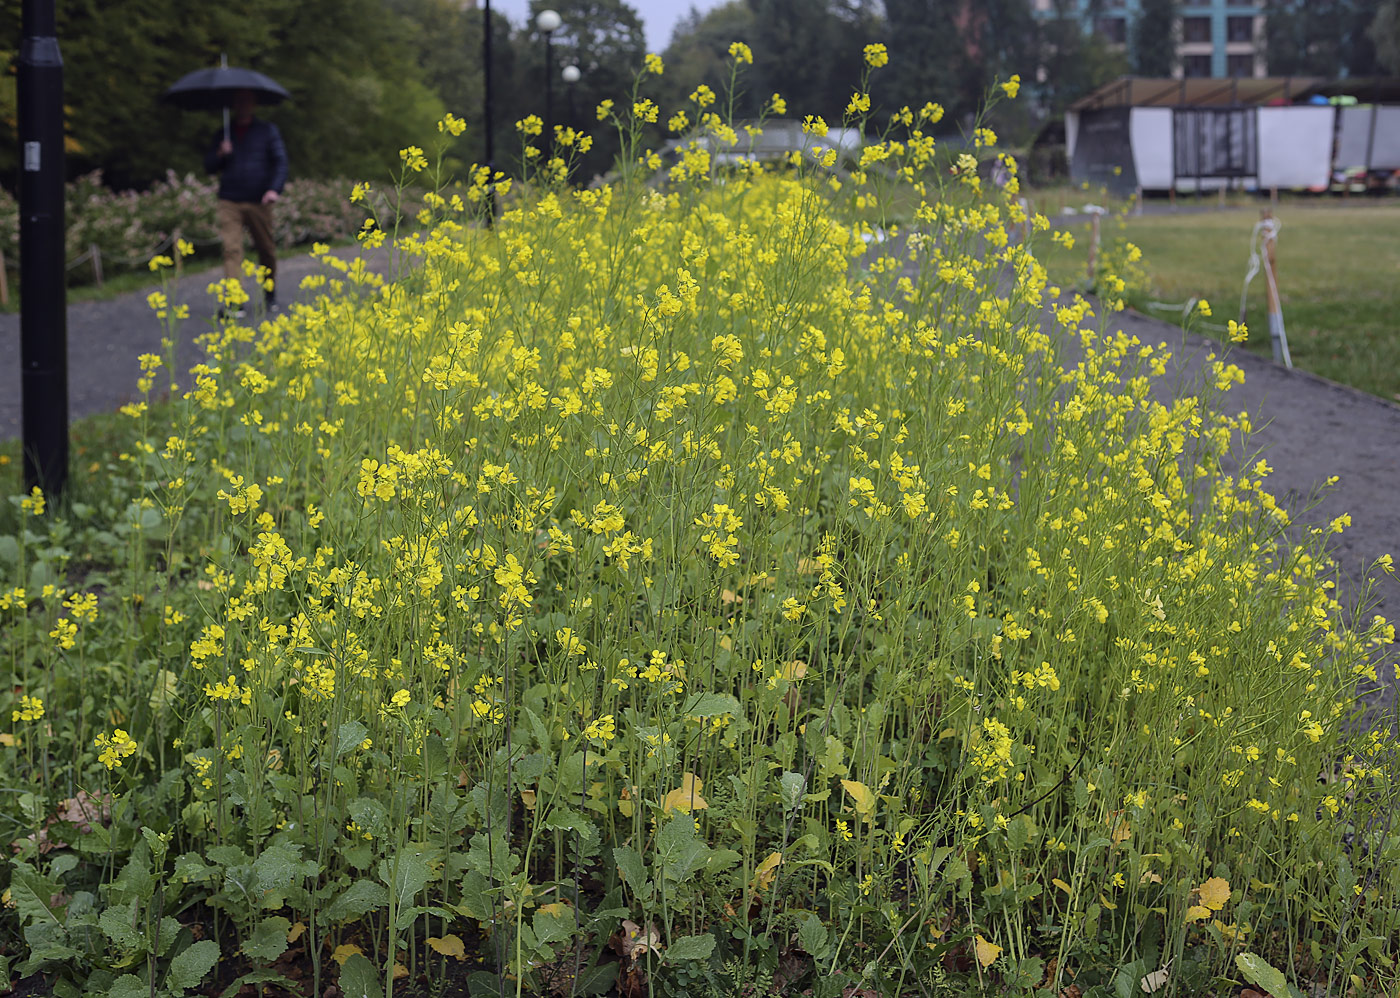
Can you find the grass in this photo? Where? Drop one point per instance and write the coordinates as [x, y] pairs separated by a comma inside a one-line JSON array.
[[1338, 267]]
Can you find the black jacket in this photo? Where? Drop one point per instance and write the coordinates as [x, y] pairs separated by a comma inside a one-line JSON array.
[[257, 164]]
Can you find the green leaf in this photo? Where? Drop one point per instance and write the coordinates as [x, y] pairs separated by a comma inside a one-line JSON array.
[[348, 736], [260, 977], [269, 939], [1125, 982], [680, 850], [32, 895], [370, 815], [1261, 974], [794, 785], [596, 980], [812, 936], [358, 900], [634, 871], [189, 968], [115, 923], [358, 978], [691, 948], [407, 873], [129, 986], [711, 705]]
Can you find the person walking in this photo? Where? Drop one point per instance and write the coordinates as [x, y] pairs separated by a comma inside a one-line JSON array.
[[252, 162]]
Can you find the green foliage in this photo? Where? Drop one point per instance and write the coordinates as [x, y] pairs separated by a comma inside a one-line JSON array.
[[1154, 38], [1327, 38]]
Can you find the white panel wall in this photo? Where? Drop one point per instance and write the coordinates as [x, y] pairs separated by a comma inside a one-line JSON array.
[[1295, 146], [1151, 131], [1071, 133]]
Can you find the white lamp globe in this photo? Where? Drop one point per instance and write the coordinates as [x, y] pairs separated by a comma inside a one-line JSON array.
[[571, 74], [548, 20]]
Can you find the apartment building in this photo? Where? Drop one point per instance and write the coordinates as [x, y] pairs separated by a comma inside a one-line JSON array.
[[1213, 37]]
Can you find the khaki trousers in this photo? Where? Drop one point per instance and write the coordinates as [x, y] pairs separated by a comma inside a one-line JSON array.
[[233, 218]]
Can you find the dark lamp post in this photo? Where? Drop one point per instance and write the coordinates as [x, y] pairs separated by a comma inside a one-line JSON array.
[[548, 21], [43, 320]]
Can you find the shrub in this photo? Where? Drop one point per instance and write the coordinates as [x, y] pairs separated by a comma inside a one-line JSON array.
[[130, 227]]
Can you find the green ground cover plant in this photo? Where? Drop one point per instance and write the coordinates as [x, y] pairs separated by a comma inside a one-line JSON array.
[[1337, 267], [675, 589]]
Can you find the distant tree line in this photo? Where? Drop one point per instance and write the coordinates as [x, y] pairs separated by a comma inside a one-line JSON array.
[[371, 76]]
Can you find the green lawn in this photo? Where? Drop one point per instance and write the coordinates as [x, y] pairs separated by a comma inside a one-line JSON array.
[[1338, 266]]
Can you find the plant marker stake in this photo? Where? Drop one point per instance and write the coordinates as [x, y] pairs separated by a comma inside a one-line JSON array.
[[95, 255], [1278, 337], [4, 281], [43, 295]]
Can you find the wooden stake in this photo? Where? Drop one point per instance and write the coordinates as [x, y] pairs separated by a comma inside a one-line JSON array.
[[1138, 210], [1278, 338], [1094, 250], [95, 255], [1273, 196], [175, 247], [4, 281]]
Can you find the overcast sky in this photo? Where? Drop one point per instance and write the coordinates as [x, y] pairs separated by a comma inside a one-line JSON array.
[[658, 16]]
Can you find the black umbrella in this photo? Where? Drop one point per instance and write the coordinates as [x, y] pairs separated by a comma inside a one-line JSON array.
[[207, 89]]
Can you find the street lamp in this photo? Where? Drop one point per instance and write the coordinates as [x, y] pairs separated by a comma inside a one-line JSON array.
[[571, 76], [548, 21], [487, 125]]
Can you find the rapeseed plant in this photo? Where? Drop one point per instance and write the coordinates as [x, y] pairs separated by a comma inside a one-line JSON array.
[[711, 550]]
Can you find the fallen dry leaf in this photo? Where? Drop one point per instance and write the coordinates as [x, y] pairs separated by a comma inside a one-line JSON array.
[[636, 943], [448, 946], [987, 953], [1215, 892], [686, 797], [344, 952]]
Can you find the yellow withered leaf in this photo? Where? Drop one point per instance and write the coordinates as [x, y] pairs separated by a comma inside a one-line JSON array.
[[1196, 913], [344, 952], [1215, 892], [864, 799], [295, 932], [767, 870], [987, 953], [686, 797], [1062, 885], [794, 670], [448, 946]]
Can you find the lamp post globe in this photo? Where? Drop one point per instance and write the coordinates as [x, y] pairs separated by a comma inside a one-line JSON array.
[[548, 22], [571, 74]]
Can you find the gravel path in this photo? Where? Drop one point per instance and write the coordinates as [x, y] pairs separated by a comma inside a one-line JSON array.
[[1310, 428]]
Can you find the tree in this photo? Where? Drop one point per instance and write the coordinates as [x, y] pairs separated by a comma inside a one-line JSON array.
[[1385, 35], [1321, 37], [699, 53], [357, 93], [1154, 38], [1075, 61], [605, 40], [951, 51]]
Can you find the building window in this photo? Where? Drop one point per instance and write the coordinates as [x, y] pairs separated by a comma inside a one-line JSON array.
[[1239, 65], [1195, 29], [1115, 29], [1196, 65], [1239, 29]]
